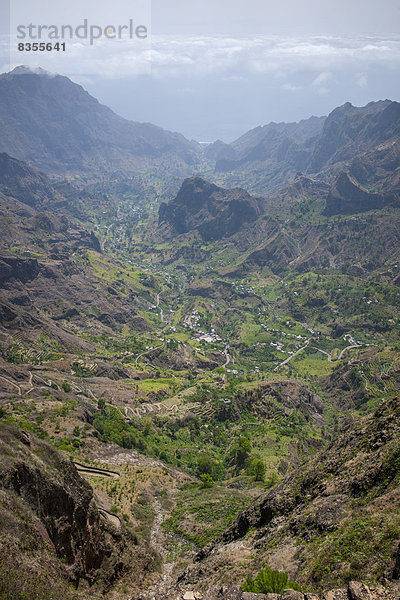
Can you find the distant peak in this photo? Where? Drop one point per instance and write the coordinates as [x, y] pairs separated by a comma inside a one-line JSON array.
[[25, 70]]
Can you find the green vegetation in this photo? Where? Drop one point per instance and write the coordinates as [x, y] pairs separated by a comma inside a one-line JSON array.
[[20, 583], [202, 512], [258, 469], [206, 481], [353, 545], [240, 452], [215, 447], [268, 581], [200, 357]]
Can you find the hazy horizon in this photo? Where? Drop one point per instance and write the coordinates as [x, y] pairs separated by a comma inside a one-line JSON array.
[[216, 71]]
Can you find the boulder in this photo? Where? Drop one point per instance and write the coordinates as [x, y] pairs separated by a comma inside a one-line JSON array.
[[359, 591], [292, 595]]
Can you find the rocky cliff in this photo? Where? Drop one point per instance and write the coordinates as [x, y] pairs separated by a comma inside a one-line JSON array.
[[51, 529], [54, 124], [213, 211], [347, 196], [334, 520]]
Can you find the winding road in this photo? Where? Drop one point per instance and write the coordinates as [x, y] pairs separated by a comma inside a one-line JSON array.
[[292, 355], [12, 384], [148, 352], [328, 354], [227, 356], [348, 348]]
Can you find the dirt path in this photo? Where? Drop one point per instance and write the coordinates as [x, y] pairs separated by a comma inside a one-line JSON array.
[[95, 471], [158, 306], [162, 542], [329, 355], [323, 352], [348, 348], [159, 542], [112, 517], [171, 547], [12, 384]]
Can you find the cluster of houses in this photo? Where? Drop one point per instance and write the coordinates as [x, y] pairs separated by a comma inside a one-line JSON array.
[[292, 335], [241, 289], [192, 320]]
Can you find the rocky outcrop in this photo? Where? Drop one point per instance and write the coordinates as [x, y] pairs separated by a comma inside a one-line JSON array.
[[47, 503], [18, 269], [49, 486], [346, 196], [323, 524], [351, 130], [355, 590], [213, 211]]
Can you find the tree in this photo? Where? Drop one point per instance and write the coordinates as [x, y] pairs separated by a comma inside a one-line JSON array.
[[205, 464], [258, 469], [241, 451]]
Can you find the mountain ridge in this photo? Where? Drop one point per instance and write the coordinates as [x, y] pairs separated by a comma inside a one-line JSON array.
[[57, 126], [221, 364]]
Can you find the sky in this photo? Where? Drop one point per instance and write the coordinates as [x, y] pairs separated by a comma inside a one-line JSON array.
[[215, 69]]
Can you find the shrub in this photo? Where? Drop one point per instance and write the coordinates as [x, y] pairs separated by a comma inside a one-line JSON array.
[[205, 464], [272, 480], [206, 481], [268, 581]]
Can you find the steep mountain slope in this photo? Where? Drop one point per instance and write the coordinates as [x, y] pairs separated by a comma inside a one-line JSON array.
[[351, 130], [334, 520], [54, 124], [212, 211], [47, 281], [346, 196], [278, 141], [294, 229], [18, 180], [52, 532], [363, 140]]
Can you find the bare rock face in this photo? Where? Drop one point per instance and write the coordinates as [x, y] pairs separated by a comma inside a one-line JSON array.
[[292, 595], [48, 508], [20, 269], [213, 211], [359, 591], [347, 197], [350, 130]]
